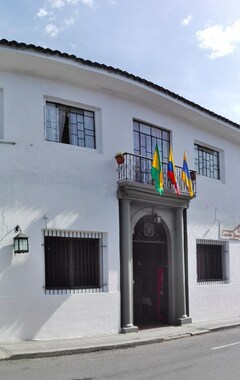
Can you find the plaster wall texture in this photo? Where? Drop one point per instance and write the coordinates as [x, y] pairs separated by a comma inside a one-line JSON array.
[[55, 186], [215, 209], [58, 186]]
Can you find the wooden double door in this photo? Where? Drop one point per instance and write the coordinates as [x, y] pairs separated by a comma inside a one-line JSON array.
[[150, 275]]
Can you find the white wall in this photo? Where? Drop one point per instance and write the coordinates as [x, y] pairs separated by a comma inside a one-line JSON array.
[[56, 186], [214, 209], [53, 185]]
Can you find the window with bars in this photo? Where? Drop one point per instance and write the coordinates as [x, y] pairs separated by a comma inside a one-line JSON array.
[[211, 261], [69, 125], [207, 161], [73, 261], [146, 137]]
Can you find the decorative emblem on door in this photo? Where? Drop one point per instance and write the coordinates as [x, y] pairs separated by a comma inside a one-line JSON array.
[[148, 228]]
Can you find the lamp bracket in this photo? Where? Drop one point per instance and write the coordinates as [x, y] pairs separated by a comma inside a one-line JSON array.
[[17, 228]]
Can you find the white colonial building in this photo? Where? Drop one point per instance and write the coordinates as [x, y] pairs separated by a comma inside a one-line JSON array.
[[106, 252]]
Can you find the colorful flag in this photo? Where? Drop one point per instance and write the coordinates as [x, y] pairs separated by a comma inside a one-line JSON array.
[[171, 171], [156, 171], [186, 176]]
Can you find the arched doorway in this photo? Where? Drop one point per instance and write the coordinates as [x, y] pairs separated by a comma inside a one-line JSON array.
[[150, 273]]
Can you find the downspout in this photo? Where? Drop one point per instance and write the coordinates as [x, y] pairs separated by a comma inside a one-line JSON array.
[[186, 258]]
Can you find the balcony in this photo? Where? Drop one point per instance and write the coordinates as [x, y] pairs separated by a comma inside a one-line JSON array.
[[137, 169]]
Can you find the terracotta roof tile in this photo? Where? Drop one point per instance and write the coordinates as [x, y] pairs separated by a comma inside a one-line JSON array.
[[47, 51]]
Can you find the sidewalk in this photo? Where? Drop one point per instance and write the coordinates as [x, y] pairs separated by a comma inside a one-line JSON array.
[[57, 347]]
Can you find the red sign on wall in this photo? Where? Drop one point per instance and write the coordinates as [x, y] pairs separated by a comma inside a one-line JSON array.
[[232, 234]]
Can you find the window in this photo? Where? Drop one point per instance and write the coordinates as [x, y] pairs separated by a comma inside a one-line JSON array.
[[69, 125], [146, 137], [207, 161], [211, 261], [73, 261]]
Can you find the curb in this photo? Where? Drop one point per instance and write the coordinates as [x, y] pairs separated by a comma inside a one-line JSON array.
[[84, 350], [6, 354], [224, 327]]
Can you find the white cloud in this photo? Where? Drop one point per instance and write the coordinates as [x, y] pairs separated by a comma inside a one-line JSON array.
[[42, 13], [72, 2], [88, 2], [69, 21], [52, 17], [186, 21], [54, 11], [52, 30], [57, 3], [218, 40]]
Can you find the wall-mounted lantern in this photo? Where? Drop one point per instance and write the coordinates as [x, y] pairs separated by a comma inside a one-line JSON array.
[[20, 242], [156, 218]]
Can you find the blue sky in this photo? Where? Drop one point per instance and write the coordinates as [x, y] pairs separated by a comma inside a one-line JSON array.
[[190, 47]]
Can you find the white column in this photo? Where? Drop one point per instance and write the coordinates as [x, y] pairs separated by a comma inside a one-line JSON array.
[[126, 268], [180, 289]]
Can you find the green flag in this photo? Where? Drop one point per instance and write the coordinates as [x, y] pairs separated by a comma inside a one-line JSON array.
[[156, 171]]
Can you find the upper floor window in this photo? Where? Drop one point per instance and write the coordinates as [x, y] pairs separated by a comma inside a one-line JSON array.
[[207, 161], [146, 137], [69, 125]]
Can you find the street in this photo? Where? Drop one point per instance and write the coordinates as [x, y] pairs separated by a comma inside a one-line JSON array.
[[212, 356]]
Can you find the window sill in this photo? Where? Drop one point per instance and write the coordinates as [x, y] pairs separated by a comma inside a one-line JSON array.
[[7, 142], [212, 282], [71, 146], [60, 292]]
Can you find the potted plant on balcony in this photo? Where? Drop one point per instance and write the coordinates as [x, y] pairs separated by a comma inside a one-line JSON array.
[[119, 158], [193, 175]]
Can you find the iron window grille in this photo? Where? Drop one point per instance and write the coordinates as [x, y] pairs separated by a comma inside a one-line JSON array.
[[211, 261], [69, 125], [207, 161], [73, 262]]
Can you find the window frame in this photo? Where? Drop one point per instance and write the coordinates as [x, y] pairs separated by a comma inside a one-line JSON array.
[[207, 161], [206, 272], [61, 128], [163, 140], [61, 274]]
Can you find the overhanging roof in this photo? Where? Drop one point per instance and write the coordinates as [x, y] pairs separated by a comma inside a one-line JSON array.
[[111, 70]]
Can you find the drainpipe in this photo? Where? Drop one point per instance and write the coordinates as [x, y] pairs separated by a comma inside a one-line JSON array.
[[186, 258]]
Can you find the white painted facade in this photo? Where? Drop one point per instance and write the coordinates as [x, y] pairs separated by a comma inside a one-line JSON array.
[[48, 185]]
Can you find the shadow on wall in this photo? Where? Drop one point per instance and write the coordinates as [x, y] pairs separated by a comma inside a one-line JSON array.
[[23, 317], [5, 258], [25, 308], [29, 318], [26, 311]]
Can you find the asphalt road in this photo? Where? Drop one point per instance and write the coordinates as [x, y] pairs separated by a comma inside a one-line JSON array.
[[213, 356]]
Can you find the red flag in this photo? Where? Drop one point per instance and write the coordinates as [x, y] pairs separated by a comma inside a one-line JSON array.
[[171, 171]]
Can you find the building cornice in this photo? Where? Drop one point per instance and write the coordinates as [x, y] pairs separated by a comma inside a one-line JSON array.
[[118, 72]]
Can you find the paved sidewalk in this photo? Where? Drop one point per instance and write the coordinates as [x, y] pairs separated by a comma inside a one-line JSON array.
[[57, 347]]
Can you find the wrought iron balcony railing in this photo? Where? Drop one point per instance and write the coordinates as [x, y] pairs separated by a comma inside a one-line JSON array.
[[138, 169]]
